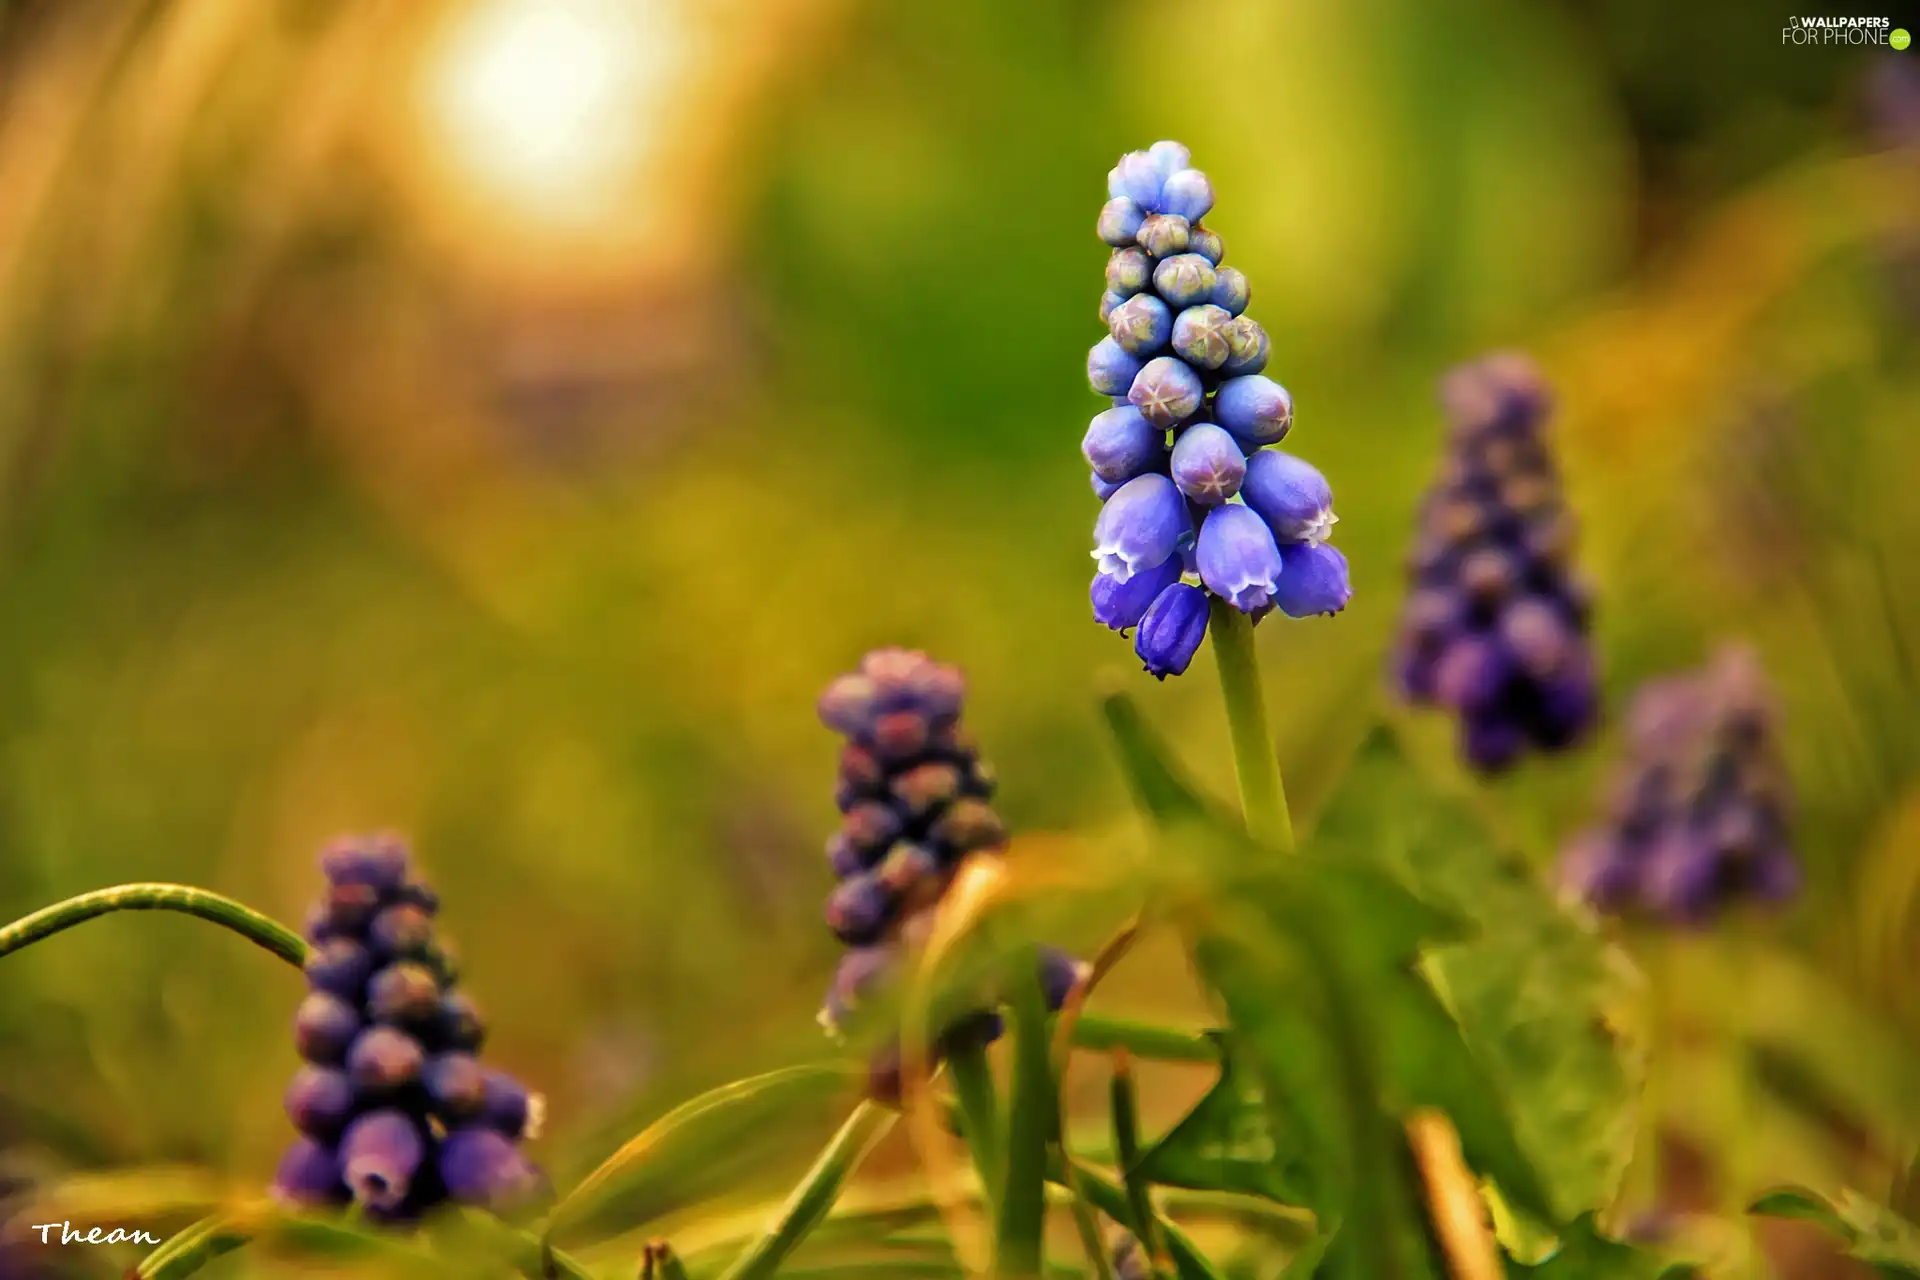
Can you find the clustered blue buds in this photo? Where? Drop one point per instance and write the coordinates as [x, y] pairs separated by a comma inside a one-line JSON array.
[[915, 802], [393, 1107], [1495, 626], [1697, 819], [1197, 503]]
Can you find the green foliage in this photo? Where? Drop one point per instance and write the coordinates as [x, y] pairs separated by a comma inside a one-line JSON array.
[[1585, 1254], [1313, 958], [1536, 994], [688, 1151], [1872, 1233], [1032, 1124]]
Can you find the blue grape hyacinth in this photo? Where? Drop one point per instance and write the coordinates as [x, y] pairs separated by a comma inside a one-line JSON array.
[[1697, 819], [915, 803], [1198, 505], [1495, 626], [394, 1110]]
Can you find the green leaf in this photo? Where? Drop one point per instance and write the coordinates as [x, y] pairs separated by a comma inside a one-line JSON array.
[[1873, 1233], [329, 1237], [1123, 1106], [187, 1251], [979, 1099], [674, 1159], [1143, 1040], [1227, 1142], [1535, 993], [1585, 1254], [1111, 1199], [813, 1198], [1157, 786], [1030, 1127]]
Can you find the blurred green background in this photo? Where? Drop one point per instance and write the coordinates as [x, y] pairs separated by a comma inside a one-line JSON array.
[[498, 419]]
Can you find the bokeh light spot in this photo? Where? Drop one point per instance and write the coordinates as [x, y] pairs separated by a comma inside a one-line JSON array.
[[553, 107]]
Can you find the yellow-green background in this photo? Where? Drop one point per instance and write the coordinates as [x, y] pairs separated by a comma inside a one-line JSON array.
[[312, 518]]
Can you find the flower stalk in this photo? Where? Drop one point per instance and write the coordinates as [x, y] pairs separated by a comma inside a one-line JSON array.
[[1263, 795]]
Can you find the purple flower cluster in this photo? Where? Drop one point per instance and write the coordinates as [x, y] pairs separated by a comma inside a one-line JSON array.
[[914, 798], [1495, 627], [1698, 817], [1197, 504], [393, 1107]]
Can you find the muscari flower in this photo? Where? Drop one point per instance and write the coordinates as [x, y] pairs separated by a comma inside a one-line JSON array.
[[388, 1039], [1697, 818], [1198, 505], [1495, 626], [914, 798]]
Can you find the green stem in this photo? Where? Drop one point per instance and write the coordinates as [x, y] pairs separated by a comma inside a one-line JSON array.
[[1143, 1040], [979, 1101], [243, 920], [1263, 797], [1031, 1124], [1124, 1106], [813, 1198]]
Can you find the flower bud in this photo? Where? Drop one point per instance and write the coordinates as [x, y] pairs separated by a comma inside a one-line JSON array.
[[1231, 292], [1200, 336], [1207, 464], [1187, 193], [1184, 280], [1169, 157], [458, 1024], [1290, 494], [401, 930], [1111, 368], [319, 1101], [1239, 560], [404, 994], [1247, 347], [1255, 408], [1172, 630], [1313, 580], [1119, 606], [1120, 444], [379, 861], [1128, 271], [1140, 527], [384, 1059], [1136, 177], [1141, 325], [1162, 236], [482, 1168], [1472, 674], [379, 1154], [859, 909], [506, 1106], [323, 1026], [1120, 220], [1206, 242], [1167, 391], [457, 1084], [308, 1176], [339, 967]]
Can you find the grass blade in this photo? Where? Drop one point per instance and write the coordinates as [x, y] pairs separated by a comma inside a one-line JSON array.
[[1030, 1127], [813, 1198], [645, 1174]]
